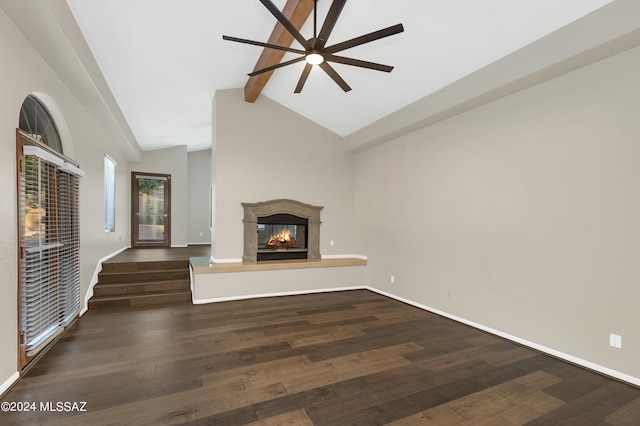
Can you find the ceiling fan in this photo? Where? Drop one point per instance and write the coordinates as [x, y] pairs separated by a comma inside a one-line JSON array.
[[315, 50]]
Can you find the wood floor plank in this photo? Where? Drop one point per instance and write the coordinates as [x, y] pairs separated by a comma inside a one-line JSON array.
[[151, 412], [452, 359], [576, 386], [596, 405], [628, 414], [218, 402], [40, 377], [262, 373], [409, 380], [296, 417], [340, 358], [492, 401], [521, 410], [441, 415], [328, 335], [331, 394], [437, 348], [348, 366], [502, 358]]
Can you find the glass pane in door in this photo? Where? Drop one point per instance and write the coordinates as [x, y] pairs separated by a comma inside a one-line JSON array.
[[151, 213], [150, 210]]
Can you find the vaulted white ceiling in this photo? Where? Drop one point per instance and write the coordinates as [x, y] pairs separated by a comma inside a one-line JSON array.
[[164, 59]]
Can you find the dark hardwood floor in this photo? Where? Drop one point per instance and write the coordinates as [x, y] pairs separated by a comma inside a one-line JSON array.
[[161, 254], [341, 358]]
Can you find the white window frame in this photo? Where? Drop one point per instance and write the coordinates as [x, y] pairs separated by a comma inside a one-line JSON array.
[[109, 194]]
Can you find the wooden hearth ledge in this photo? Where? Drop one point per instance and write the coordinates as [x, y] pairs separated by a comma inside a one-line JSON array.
[[201, 265]]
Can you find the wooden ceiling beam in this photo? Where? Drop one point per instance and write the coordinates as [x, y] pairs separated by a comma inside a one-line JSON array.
[[297, 11]]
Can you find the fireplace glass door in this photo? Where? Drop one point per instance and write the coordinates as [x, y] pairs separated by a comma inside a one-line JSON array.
[[282, 237]]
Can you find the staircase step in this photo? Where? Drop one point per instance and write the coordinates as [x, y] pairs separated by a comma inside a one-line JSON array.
[[159, 265], [106, 289], [149, 299], [142, 283], [139, 276]]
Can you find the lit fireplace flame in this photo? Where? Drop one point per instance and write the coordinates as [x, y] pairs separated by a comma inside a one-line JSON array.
[[283, 239]]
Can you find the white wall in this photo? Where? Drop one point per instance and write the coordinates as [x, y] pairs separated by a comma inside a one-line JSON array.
[[171, 161], [264, 151], [24, 72], [522, 215], [199, 186], [216, 287]]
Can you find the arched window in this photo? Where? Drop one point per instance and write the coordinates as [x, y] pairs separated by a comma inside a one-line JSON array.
[[36, 121], [48, 232]]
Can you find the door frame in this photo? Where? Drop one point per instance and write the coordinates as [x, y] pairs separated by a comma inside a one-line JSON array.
[[135, 201]]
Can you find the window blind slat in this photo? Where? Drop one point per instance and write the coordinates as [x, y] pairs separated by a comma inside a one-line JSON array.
[[50, 296]]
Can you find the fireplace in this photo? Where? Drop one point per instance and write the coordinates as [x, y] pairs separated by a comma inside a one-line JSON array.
[[281, 230], [282, 236]]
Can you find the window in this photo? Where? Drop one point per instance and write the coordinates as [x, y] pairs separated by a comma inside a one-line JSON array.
[[49, 245], [36, 121], [109, 194]]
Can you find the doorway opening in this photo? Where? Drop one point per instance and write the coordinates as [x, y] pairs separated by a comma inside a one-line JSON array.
[[150, 210]]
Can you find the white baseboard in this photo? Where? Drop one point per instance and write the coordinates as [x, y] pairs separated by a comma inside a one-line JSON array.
[[179, 245], [94, 279], [214, 260], [324, 256], [570, 358], [344, 256], [284, 293], [8, 383]]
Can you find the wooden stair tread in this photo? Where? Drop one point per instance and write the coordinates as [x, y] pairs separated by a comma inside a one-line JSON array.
[[127, 277], [142, 283], [146, 271], [138, 295], [144, 266]]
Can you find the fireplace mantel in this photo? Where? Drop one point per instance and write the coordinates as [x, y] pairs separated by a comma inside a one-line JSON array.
[[252, 211]]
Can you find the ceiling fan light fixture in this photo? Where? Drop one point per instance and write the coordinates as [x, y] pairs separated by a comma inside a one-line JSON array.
[[314, 58], [315, 50]]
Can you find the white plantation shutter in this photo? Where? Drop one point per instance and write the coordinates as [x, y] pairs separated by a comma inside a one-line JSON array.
[[69, 253], [49, 264], [109, 194]]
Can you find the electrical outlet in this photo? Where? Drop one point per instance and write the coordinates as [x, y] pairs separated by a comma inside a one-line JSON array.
[[393, 279], [615, 340], [331, 243]]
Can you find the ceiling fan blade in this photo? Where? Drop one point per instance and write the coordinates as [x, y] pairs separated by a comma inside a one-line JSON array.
[[303, 78], [385, 32], [259, 43], [276, 66], [358, 63], [286, 23], [334, 75], [330, 21]]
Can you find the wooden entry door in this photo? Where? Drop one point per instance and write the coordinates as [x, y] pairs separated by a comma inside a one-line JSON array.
[[150, 210]]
